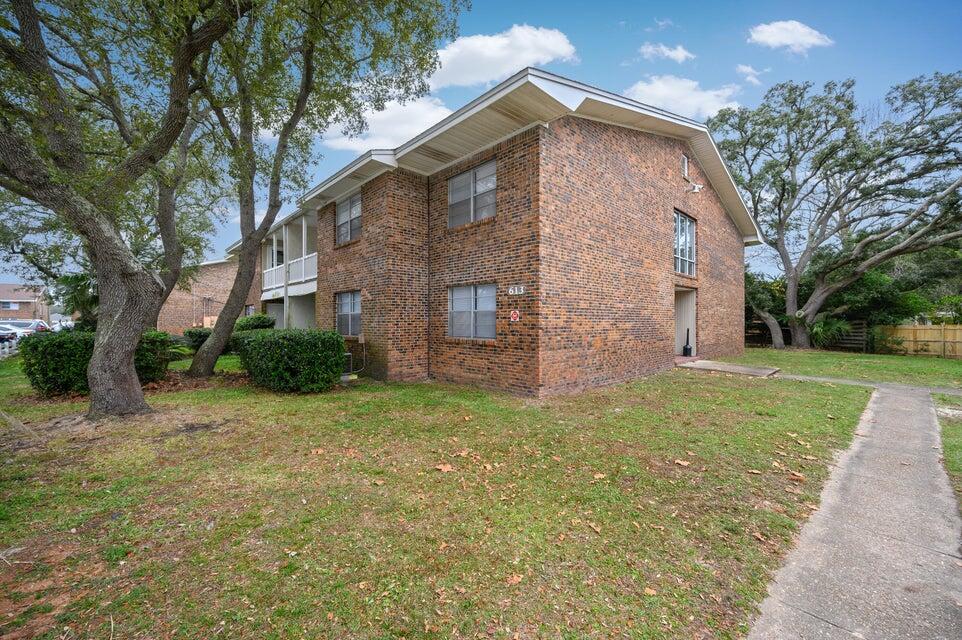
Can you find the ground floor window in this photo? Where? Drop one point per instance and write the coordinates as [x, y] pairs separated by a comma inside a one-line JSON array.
[[249, 310], [471, 311], [349, 313]]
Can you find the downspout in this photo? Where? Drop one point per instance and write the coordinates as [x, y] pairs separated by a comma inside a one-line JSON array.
[[287, 277]]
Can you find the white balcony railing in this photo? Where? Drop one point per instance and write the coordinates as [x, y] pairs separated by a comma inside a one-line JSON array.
[[274, 277], [300, 269]]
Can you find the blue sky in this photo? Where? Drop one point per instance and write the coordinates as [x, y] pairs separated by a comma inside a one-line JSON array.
[[689, 57]]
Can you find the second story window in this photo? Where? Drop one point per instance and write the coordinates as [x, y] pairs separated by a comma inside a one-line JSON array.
[[684, 166], [684, 244], [348, 219], [471, 195], [349, 313]]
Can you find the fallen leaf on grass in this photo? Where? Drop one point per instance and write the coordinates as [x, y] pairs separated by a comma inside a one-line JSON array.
[[682, 463], [595, 528], [515, 579], [378, 482], [317, 452], [599, 476], [755, 472], [795, 476], [650, 592], [444, 468], [809, 458], [759, 536]]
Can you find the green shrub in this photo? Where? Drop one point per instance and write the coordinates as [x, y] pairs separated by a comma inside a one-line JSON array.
[[293, 359], [239, 338], [196, 336], [254, 321], [56, 362]]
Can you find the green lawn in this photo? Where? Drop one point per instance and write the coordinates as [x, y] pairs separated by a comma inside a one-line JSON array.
[[657, 509], [917, 370], [225, 364], [952, 442]]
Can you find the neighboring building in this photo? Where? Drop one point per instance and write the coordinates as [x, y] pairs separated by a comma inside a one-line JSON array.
[[547, 237], [23, 302], [201, 303]]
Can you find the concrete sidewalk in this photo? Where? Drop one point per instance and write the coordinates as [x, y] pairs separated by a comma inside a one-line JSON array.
[[880, 559]]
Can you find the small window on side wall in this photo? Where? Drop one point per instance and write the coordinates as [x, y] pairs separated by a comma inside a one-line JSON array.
[[348, 221], [471, 311], [471, 195], [684, 244], [349, 313], [684, 166]]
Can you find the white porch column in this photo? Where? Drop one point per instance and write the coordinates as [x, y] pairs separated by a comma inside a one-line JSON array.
[[287, 277]]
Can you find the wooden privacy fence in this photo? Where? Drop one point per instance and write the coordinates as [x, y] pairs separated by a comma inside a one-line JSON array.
[[941, 340]]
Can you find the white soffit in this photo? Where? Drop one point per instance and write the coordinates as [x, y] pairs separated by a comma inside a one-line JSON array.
[[529, 97]]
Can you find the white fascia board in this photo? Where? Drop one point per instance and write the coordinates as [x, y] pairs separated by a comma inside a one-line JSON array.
[[384, 157]]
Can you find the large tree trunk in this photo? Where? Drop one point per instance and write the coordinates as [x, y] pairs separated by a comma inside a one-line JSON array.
[[778, 341], [206, 357], [801, 338], [128, 303]]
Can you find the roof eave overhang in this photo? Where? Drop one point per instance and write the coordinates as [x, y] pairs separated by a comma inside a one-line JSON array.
[[527, 98]]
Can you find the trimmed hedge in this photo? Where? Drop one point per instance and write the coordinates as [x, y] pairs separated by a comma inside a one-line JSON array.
[[237, 339], [196, 336], [56, 362], [293, 359], [254, 321]]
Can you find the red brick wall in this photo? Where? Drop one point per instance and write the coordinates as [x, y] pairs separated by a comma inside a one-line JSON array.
[[502, 250], [27, 311], [186, 308], [388, 265], [608, 196]]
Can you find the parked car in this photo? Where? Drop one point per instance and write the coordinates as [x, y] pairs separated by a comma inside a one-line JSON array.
[[26, 327], [8, 334], [60, 325]]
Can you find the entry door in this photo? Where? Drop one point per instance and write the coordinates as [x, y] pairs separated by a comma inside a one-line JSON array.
[[684, 319]]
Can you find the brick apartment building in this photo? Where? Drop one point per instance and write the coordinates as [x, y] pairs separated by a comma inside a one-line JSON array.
[[199, 304], [547, 237], [23, 302]]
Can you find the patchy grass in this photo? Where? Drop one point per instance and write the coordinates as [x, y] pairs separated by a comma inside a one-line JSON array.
[[225, 364], [917, 370], [950, 421], [655, 509]]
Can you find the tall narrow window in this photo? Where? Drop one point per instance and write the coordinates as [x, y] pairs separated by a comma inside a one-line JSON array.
[[471, 195], [684, 166], [471, 311], [349, 313], [349, 219], [684, 244]]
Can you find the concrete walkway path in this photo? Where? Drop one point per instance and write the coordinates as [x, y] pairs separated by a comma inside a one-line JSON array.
[[727, 367], [880, 559]]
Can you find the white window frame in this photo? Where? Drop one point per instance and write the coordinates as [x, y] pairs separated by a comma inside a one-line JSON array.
[[353, 210], [685, 244], [684, 166], [8, 305], [475, 194], [474, 311], [353, 312]]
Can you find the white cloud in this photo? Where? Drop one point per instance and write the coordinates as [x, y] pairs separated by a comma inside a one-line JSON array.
[[678, 53], [683, 96], [790, 34], [661, 25], [480, 59], [387, 129], [749, 73], [258, 216]]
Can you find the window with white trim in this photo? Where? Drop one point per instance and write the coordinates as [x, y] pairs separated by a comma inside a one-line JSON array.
[[10, 306], [471, 311], [471, 195], [348, 219], [349, 313], [684, 166], [684, 244]]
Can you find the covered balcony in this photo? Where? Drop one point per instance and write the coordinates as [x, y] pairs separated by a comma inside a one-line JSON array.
[[289, 254]]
